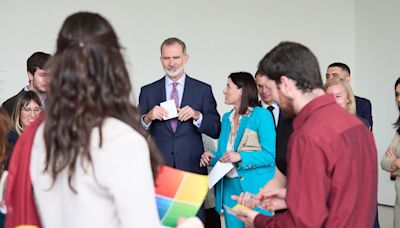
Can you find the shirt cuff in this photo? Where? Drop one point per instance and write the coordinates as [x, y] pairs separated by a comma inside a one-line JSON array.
[[144, 125], [260, 220], [198, 122]]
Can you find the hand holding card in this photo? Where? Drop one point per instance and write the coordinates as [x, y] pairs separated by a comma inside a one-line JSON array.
[[171, 109]]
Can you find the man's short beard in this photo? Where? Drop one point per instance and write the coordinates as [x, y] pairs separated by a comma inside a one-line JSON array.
[[286, 106], [288, 112], [175, 73]]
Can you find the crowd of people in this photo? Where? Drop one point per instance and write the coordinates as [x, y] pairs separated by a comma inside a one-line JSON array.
[[73, 144]]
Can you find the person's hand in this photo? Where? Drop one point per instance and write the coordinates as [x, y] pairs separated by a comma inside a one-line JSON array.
[[391, 153], [230, 156], [156, 113], [279, 181], [187, 113], [192, 222], [272, 200], [246, 199], [246, 216], [205, 158], [395, 164]]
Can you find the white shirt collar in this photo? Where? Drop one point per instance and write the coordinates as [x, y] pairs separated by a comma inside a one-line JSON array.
[[274, 104]]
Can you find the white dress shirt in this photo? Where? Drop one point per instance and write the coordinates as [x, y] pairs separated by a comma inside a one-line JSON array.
[[275, 111]]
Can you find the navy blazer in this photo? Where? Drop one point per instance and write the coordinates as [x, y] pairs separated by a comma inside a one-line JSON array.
[[183, 148], [11, 102], [364, 110]]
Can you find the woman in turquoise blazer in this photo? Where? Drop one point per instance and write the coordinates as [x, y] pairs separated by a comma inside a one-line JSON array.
[[247, 140]]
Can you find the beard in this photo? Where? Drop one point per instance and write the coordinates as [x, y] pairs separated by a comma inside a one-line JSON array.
[[174, 72], [286, 106]]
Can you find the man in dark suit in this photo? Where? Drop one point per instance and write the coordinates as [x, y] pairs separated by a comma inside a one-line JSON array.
[[38, 80], [179, 139], [363, 105], [197, 112], [283, 125]]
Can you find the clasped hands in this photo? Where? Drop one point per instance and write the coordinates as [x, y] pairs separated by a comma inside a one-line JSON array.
[[158, 113], [391, 153], [229, 156]]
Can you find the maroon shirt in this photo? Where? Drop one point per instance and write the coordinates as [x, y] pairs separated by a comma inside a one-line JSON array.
[[332, 173]]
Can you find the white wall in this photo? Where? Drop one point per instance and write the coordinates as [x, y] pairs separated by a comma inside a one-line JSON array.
[[222, 37], [377, 55]]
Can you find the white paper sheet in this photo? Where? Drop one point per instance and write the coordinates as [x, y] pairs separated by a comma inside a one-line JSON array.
[[220, 170], [171, 109]]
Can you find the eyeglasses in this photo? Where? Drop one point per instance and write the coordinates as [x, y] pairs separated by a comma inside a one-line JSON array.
[[29, 110]]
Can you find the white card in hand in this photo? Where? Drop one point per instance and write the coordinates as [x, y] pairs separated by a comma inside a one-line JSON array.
[[171, 109]]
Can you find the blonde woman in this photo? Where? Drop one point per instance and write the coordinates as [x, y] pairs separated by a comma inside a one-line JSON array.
[[344, 96], [343, 93]]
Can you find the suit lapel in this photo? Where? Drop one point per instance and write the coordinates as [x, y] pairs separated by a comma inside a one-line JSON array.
[[242, 127], [188, 93], [161, 87]]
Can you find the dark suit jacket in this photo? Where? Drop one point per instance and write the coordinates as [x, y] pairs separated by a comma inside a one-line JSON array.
[[283, 132], [364, 110], [10, 103], [184, 147]]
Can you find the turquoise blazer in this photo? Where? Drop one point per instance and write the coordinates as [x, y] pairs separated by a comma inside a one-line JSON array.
[[255, 140]]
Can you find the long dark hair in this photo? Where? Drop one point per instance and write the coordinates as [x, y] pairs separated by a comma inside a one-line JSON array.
[[89, 82], [5, 126], [397, 123], [245, 81]]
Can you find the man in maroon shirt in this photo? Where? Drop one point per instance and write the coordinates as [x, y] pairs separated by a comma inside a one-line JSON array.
[[332, 166]]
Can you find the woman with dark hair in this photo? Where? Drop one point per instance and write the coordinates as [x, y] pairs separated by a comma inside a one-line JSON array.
[[247, 140], [26, 110], [5, 126], [91, 164], [391, 159]]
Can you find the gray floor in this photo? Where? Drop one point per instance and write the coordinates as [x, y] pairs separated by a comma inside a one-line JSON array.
[[385, 216]]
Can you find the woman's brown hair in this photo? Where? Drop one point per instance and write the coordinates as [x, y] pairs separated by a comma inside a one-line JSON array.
[[89, 82], [23, 100], [5, 126], [245, 81]]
